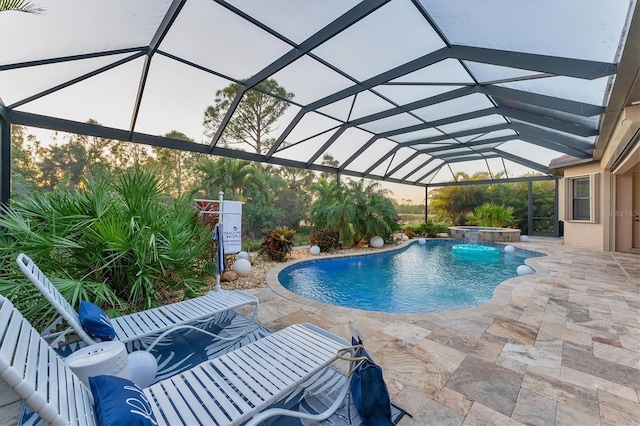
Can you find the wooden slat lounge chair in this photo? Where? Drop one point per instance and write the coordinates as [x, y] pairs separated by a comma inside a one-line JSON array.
[[228, 390], [165, 319]]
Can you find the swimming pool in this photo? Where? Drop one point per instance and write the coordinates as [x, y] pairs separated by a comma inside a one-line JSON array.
[[417, 278]]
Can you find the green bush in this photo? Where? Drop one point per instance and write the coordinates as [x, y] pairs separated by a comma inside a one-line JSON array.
[[409, 232], [439, 228], [327, 239], [431, 229], [492, 215], [251, 245], [357, 210], [120, 244], [277, 244], [415, 228], [303, 233]]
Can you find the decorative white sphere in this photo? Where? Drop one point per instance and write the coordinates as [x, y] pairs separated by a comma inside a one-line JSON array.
[[243, 255], [143, 368], [376, 242], [405, 237], [242, 267], [524, 270], [422, 241], [524, 238], [509, 249], [315, 250]]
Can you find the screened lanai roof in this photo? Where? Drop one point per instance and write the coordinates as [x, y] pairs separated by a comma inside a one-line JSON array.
[[407, 91]]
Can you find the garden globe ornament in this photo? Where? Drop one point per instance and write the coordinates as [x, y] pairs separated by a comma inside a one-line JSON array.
[[243, 255], [405, 237], [509, 249], [524, 270], [422, 241], [242, 267], [143, 368], [376, 242], [315, 250], [524, 238]]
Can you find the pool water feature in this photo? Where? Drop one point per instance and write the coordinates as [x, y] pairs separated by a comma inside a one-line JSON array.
[[474, 250], [416, 278], [483, 234]]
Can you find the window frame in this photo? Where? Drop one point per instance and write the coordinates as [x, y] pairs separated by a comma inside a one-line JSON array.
[[593, 198]]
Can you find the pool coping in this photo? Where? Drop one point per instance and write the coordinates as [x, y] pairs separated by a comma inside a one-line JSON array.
[[501, 295]]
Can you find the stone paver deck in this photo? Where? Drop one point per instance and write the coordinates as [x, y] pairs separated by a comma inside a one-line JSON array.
[[559, 347]]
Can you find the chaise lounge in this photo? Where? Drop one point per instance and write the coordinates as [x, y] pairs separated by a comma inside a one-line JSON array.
[[163, 320], [228, 390]]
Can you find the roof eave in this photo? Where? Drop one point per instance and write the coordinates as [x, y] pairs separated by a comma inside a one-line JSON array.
[[557, 166], [623, 86]]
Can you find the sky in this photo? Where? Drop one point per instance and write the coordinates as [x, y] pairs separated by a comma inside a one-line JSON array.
[[205, 34]]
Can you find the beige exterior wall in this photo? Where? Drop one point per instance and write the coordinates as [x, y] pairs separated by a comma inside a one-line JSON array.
[[624, 192], [611, 229], [578, 233], [627, 195], [624, 203]]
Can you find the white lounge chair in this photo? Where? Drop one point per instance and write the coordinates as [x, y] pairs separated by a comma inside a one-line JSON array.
[[165, 319], [227, 390]]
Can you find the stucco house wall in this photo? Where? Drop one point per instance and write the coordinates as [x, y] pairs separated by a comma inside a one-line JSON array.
[[612, 228], [590, 235]]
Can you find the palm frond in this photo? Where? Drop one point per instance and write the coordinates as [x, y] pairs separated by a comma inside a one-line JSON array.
[[20, 6]]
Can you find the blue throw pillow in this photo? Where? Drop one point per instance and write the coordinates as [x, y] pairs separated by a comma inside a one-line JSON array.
[[119, 402], [95, 321]]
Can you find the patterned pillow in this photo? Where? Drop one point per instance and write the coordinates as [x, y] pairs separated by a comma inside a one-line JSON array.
[[95, 321], [119, 401]]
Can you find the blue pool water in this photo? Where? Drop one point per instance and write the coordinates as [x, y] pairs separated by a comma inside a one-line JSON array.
[[418, 278]]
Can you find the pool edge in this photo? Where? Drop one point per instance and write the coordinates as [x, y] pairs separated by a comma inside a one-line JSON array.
[[500, 299]]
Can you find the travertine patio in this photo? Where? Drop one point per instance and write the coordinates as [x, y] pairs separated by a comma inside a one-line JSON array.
[[559, 347]]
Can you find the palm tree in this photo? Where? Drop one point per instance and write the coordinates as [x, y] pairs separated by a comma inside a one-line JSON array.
[[381, 215], [342, 214], [358, 211], [452, 203], [228, 175], [325, 192], [20, 6], [376, 211]]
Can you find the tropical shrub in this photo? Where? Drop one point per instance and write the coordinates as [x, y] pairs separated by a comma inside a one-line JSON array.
[[452, 203], [492, 215], [357, 210], [121, 244], [327, 239], [431, 229], [408, 232], [303, 233], [415, 228], [277, 244], [250, 245]]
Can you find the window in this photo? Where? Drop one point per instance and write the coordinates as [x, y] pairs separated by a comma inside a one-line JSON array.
[[581, 198]]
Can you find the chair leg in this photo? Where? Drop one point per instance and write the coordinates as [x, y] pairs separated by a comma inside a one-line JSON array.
[[242, 333], [258, 418], [55, 338]]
